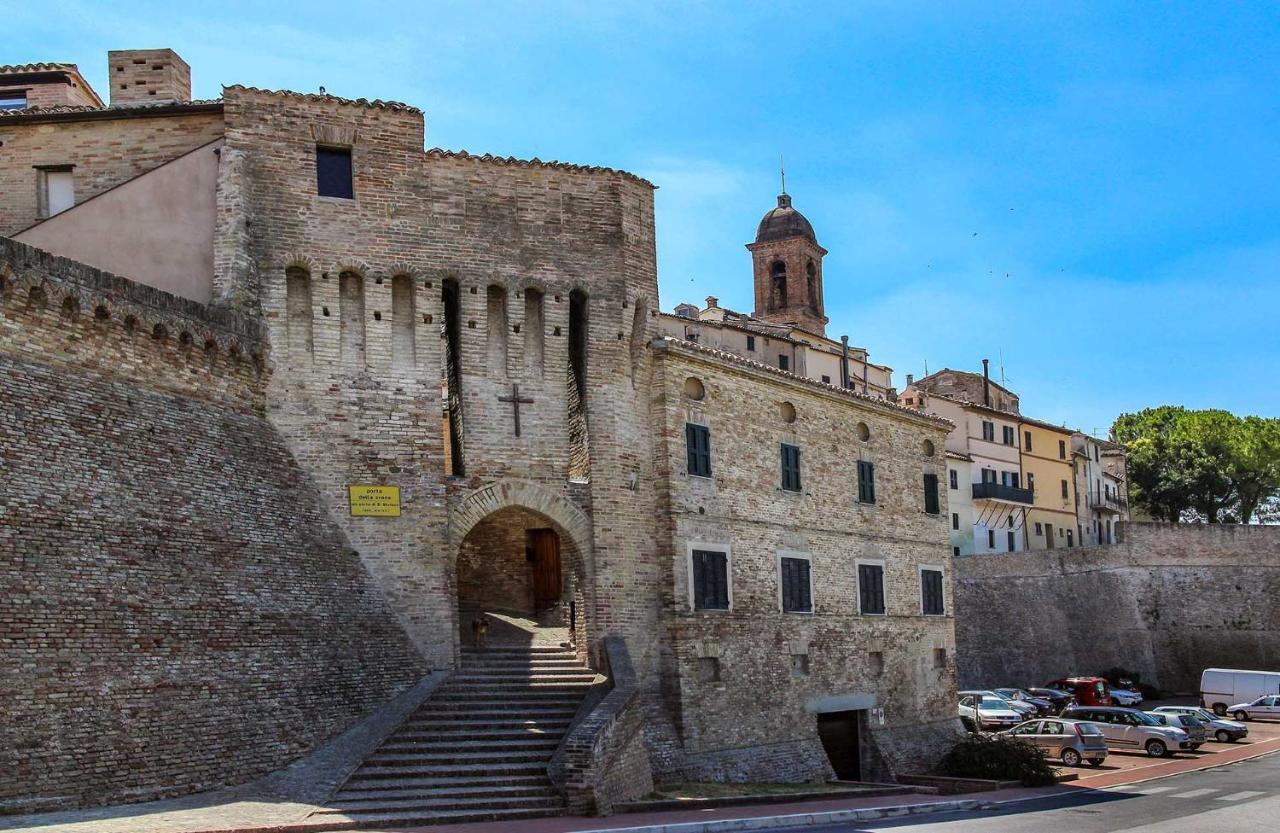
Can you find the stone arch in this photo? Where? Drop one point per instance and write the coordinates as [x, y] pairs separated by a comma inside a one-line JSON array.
[[570, 520], [298, 260]]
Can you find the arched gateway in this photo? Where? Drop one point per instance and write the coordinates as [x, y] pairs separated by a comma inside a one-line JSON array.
[[524, 560]]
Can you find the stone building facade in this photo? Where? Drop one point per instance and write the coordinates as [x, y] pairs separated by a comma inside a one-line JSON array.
[[483, 335]]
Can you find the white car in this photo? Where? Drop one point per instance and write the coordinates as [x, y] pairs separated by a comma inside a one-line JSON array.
[[1268, 706], [981, 711], [1219, 728], [1124, 697]]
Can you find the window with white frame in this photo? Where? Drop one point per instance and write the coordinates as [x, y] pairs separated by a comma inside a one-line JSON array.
[[795, 582]]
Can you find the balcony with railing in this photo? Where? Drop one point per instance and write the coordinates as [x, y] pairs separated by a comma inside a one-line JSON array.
[[1107, 502], [1000, 493]]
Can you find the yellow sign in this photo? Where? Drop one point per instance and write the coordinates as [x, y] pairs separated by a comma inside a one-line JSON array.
[[375, 501]]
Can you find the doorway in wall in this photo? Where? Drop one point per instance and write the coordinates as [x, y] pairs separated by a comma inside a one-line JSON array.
[[840, 736]]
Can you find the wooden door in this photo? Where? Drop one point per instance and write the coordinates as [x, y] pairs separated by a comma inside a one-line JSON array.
[[1048, 534], [838, 732], [544, 552]]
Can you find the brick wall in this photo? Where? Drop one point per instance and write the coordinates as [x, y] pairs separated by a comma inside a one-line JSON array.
[[105, 153], [1167, 602], [755, 644], [180, 613]]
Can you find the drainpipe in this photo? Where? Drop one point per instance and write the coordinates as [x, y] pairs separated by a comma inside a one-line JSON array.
[[844, 361], [986, 382]]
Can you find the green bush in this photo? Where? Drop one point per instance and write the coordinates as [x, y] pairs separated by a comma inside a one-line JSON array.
[[999, 759]]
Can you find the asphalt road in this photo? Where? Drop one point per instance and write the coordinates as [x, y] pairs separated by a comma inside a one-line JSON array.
[[1235, 798]]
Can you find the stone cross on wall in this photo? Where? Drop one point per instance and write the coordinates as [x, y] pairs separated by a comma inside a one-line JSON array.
[[516, 401]]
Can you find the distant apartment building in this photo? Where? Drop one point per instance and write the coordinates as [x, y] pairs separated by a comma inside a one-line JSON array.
[[983, 458], [1100, 497]]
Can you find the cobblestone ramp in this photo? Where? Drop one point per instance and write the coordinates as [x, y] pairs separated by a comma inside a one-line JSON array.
[[477, 750]]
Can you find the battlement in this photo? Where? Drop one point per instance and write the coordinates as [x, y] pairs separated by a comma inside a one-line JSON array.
[[57, 310]]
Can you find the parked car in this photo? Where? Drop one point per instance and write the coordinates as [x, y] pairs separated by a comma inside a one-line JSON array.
[[1124, 696], [1043, 707], [1219, 687], [1088, 691], [1060, 699], [1025, 711], [1221, 729], [1268, 706], [1188, 723], [1130, 730], [983, 710], [1071, 741]]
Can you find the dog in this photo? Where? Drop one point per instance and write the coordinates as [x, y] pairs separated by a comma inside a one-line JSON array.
[[480, 631]]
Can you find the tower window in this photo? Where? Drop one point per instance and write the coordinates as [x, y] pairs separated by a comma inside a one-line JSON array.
[[778, 273], [333, 172], [13, 100]]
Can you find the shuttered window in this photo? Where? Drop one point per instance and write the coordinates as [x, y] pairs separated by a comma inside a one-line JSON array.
[[710, 580], [988, 430], [866, 482], [790, 468], [797, 596], [931, 494], [955, 479], [931, 592], [698, 448], [870, 588]]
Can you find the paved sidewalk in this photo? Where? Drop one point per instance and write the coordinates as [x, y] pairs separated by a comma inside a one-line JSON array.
[[232, 811]]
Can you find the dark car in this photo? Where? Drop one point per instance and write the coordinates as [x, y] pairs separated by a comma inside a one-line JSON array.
[[1060, 699], [1044, 708]]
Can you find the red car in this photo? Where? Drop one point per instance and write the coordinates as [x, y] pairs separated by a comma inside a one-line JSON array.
[[1088, 691]]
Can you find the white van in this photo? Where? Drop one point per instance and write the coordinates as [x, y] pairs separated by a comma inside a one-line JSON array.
[[1220, 688]]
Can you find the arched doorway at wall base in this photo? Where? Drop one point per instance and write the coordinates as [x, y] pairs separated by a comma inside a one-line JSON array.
[[523, 566]]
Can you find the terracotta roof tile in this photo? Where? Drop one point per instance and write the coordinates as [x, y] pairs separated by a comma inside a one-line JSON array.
[[333, 99], [10, 69], [734, 358], [535, 163], [88, 108]]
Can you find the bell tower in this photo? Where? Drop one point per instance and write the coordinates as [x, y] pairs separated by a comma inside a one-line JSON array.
[[787, 264]]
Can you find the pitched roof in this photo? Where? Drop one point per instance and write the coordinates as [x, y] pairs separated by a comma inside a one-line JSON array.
[[536, 163], [734, 358], [923, 382], [13, 69], [67, 112]]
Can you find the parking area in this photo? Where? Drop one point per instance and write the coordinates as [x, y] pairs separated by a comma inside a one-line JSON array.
[[1128, 767]]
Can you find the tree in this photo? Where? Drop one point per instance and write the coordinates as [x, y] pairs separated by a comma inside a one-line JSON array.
[[1209, 465]]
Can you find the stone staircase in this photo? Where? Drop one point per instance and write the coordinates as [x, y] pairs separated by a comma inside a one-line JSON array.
[[476, 750]]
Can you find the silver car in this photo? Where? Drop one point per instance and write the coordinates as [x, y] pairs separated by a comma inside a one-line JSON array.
[[1221, 729], [1070, 741], [978, 711], [1025, 710], [1129, 730], [1268, 706], [1188, 723], [1124, 697]]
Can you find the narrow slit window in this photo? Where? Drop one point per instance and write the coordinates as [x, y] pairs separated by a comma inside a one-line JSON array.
[[534, 332], [497, 341], [298, 313], [402, 322], [351, 318], [452, 399]]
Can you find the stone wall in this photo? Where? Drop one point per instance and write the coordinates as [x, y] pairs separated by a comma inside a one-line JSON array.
[[104, 151], [1167, 602], [781, 668], [179, 612]]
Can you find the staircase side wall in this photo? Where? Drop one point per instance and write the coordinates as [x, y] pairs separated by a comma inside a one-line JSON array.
[[177, 610]]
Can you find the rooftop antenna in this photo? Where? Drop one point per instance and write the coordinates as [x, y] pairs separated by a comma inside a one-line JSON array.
[[926, 367], [782, 170], [1003, 383]]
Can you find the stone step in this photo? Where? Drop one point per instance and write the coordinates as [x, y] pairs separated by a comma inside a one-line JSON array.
[[423, 792], [478, 661], [501, 769], [462, 782], [445, 756], [515, 695], [471, 744], [535, 651], [481, 732], [489, 706], [504, 721], [341, 821], [544, 667], [587, 677], [444, 802]]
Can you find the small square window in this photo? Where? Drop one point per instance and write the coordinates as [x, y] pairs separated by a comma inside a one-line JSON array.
[[955, 551], [799, 665], [826, 380], [708, 670], [333, 172], [875, 663], [751, 343], [939, 658], [784, 362]]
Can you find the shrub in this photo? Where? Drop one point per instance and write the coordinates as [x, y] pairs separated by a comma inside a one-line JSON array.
[[1000, 759]]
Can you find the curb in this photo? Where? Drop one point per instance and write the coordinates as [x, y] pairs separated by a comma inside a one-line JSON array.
[[799, 819]]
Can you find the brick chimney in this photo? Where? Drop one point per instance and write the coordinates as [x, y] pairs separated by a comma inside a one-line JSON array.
[[147, 76]]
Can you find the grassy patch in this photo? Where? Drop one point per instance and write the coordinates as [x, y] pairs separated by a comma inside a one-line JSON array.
[[688, 792]]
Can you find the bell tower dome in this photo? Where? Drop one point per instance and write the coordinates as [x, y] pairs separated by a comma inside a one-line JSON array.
[[787, 263]]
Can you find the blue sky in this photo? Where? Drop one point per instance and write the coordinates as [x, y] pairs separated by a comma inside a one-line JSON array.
[[1090, 190]]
